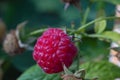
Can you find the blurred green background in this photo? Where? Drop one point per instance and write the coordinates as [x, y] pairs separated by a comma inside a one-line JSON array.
[[39, 13]]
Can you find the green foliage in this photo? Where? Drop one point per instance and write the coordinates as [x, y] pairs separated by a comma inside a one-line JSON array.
[[23, 61], [35, 73], [100, 26], [98, 50], [51, 12], [108, 36], [46, 5], [114, 36], [113, 1], [110, 1], [103, 70]]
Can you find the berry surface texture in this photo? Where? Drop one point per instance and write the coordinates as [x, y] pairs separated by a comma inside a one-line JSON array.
[[54, 49]]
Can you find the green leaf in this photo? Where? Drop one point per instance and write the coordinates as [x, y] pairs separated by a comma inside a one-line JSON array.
[[103, 70], [35, 73], [66, 70], [93, 49], [1, 73], [100, 26], [107, 35], [114, 36], [80, 74], [110, 1], [23, 61], [46, 5], [92, 22], [113, 1]]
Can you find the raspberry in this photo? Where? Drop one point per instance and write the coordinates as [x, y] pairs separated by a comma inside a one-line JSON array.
[[53, 49]]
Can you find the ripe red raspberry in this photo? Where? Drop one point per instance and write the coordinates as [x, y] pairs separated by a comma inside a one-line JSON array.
[[53, 49]]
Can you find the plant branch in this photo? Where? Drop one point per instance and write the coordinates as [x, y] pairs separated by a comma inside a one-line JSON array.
[[36, 32], [96, 20]]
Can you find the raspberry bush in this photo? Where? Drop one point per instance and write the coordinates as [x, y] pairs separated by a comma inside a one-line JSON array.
[[62, 40]]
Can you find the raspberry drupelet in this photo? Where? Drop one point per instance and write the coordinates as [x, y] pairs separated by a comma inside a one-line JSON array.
[[54, 49]]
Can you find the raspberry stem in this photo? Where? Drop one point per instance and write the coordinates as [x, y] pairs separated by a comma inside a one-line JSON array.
[[92, 22], [37, 32], [79, 30]]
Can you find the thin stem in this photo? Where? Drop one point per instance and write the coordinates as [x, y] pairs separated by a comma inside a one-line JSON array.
[[36, 32], [96, 20], [42, 30], [100, 36], [77, 57], [85, 16], [78, 61], [96, 36]]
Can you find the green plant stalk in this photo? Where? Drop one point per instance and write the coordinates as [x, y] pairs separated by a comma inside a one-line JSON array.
[[99, 36], [92, 22], [79, 29], [85, 16], [109, 1], [78, 60], [42, 30], [36, 32], [95, 36], [6, 64]]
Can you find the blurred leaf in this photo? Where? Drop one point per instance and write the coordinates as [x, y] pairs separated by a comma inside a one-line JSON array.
[[23, 61], [3, 55], [35, 73], [66, 70], [110, 1], [72, 14], [114, 36], [100, 26], [1, 73], [103, 70], [85, 16], [92, 49], [46, 5], [107, 35], [80, 74], [113, 1]]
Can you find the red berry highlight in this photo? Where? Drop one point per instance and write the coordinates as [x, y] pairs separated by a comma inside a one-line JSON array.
[[53, 49]]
